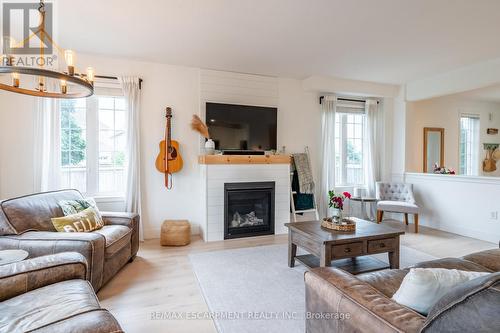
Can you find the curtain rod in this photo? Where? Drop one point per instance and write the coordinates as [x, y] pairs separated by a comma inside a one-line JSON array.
[[346, 100]]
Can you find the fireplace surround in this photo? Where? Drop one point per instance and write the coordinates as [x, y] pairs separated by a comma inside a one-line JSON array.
[[249, 209]]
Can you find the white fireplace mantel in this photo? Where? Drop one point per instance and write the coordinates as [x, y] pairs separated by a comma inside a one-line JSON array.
[[216, 175]]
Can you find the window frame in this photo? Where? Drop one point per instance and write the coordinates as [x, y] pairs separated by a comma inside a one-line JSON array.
[[474, 166], [92, 151], [346, 110]]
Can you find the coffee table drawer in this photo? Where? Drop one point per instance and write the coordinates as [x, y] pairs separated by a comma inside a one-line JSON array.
[[381, 245], [347, 250]]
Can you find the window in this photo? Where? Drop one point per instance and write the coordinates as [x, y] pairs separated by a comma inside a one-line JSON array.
[[469, 145], [93, 140], [349, 146]]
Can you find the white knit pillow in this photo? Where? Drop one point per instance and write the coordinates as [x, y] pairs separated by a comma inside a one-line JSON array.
[[423, 287]]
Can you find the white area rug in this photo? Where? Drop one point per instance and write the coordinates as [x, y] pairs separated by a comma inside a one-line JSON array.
[[252, 290]]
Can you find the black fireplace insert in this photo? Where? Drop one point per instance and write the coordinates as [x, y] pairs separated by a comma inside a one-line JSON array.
[[248, 209]]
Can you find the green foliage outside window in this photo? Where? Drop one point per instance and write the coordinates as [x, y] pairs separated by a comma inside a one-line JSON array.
[[73, 142]]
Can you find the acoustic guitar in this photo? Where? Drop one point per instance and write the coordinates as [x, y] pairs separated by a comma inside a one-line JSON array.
[[169, 160]]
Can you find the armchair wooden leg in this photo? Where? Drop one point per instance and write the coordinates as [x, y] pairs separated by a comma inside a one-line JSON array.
[[380, 215], [415, 218], [406, 218]]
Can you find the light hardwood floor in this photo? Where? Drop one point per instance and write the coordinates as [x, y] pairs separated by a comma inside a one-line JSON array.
[[161, 278]]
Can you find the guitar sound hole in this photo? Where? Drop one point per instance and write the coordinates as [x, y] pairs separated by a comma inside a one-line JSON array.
[[172, 152]]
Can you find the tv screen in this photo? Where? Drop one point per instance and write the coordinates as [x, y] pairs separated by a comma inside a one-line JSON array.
[[242, 127]]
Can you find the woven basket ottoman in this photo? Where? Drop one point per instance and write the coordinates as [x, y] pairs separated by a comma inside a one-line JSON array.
[[175, 233]]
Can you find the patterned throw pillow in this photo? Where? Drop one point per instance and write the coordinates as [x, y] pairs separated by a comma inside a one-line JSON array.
[[70, 207], [87, 220]]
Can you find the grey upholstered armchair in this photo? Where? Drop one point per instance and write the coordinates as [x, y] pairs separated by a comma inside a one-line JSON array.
[[397, 198]]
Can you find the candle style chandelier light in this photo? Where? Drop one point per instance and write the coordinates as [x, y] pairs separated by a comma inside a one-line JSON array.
[[80, 85]]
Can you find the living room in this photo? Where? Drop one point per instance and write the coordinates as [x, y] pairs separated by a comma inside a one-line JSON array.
[[353, 111]]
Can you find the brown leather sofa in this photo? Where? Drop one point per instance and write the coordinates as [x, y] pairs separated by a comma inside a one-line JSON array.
[[25, 224], [51, 294], [337, 301]]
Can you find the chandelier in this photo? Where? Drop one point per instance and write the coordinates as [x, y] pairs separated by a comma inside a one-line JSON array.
[[68, 84]]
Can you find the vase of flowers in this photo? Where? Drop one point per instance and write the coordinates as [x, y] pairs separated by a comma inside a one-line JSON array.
[[336, 201], [338, 222]]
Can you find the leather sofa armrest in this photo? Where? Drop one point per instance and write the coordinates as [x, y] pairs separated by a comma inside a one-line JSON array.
[[337, 301], [118, 218], [21, 277], [39, 243], [130, 220]]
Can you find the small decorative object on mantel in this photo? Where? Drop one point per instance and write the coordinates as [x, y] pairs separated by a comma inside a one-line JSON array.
[[338, 222], [199, 126], [492, 131], [489, 163], [443, 170]]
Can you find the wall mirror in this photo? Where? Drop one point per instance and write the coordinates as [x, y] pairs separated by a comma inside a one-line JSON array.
[[433, 148]]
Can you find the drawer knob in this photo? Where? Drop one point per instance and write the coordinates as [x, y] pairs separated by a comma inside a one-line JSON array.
[[347, 250], [382, 244]]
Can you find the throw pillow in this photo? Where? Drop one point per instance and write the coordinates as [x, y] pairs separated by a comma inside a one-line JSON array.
[[423, 287], [70, 207], [84, 221]]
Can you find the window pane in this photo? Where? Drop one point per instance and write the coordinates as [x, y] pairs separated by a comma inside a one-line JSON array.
[[469, 145], [106, 103], [121, 120], [73, 144], [349, 140], [112, 144], [120, 104]]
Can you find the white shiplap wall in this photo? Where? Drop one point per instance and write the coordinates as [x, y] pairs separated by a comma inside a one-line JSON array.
[[217, 175], [244, 89]]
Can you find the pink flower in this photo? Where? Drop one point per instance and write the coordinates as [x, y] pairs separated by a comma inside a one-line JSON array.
[[347, 195]]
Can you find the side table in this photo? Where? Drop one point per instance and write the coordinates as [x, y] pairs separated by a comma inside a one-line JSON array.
[[364, 200]]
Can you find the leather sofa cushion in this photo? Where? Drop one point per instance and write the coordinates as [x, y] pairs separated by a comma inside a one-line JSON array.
[[47, 305], [33, 212], [386, 281], [470, 307], [489, 259], [116, 236], [398, 207], [453, 263]]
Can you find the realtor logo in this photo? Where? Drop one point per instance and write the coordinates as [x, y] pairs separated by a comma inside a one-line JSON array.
[[21, 28]]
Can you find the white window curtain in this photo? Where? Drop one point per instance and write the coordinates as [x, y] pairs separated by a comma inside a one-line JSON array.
[[47, 156], [327, 181], [373, 138], [132, 93]]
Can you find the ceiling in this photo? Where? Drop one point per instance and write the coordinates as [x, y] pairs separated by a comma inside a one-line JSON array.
[[390, 41], [488, 94]]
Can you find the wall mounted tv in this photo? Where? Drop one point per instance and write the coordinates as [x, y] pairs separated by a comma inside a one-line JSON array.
[[242, 127]]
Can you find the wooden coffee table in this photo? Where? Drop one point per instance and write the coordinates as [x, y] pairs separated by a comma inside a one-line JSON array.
[[345, 250]]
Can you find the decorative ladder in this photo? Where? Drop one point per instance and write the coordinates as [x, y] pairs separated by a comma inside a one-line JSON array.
[[292, 193]]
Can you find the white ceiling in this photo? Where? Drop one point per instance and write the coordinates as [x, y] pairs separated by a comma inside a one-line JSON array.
[[488, 94], [391, 41]]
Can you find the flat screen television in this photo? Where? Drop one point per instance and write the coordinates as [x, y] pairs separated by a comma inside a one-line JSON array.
[[242, 127]]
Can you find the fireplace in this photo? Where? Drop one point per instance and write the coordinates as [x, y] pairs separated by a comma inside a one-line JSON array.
[[248, 209]]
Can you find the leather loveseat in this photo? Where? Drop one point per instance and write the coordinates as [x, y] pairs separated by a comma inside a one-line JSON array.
[[25, 224], [337, 301], [51, 294]]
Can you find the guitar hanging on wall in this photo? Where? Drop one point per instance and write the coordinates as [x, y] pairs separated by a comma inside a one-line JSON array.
[[169, 159]]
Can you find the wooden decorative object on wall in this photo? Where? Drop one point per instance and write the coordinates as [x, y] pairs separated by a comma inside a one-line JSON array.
[[492, 131], [489, 163]]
